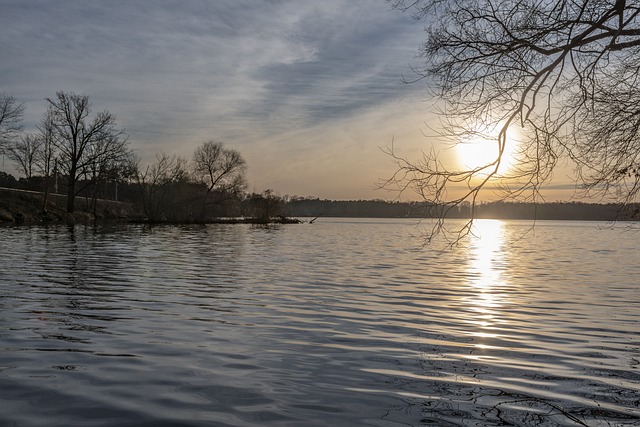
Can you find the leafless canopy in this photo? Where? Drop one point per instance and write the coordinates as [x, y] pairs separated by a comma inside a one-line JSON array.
[[11, 113], [220, 169], [165, 170], [81, 141], [566, 73], [25, 153], [161, 185]]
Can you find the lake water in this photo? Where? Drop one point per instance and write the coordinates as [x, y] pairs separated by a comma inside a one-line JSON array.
[[337, 323]]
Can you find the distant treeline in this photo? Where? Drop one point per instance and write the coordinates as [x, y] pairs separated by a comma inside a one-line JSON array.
[[183, 200], [313, 207]]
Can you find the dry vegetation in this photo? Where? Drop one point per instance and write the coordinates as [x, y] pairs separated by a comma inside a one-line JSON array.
[[20, 206]]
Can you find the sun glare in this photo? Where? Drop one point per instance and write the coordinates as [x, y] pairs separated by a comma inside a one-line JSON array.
[[486, 254], [482, 150], [486, 272]]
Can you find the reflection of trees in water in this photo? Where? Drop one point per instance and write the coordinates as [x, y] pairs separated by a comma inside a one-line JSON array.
[[81, 282], [160, 258], [84, 279], [190, 259]]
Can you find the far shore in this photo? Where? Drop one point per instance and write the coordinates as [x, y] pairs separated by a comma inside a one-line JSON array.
[[26, 207]]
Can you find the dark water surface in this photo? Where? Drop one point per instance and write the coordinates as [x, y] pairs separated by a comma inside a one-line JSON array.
[[338, 323]]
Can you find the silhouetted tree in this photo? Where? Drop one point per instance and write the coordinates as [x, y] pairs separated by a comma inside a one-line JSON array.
[[109, 173], [565, 72], [25, 153], [221, 170], [163, 189], [82, 141], [11, 113], [45, 156], [266, 205]]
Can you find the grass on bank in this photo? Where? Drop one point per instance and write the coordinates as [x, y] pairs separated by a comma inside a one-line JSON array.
[[23, 206]]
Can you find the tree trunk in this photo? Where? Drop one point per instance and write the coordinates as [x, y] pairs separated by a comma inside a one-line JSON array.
[[71, 195], [94, 198], [46, 193]]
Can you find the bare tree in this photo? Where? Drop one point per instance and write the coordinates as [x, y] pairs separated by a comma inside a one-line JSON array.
[[266, 205], [34, 153], [45, 156], [109, 172], [220, 169], [25, 153], [160, 184], [11, 113], [567, 73], [81, 141]]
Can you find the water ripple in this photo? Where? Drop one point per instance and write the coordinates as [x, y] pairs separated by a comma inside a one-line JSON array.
[[342, 322]]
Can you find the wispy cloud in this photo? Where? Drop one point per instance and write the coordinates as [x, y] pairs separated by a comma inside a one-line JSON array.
[[249, 73]]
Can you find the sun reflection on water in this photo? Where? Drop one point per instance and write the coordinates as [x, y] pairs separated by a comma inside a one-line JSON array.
[[486, 274]]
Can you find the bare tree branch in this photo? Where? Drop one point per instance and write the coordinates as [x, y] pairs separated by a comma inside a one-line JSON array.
[[83, 143], [25, 153], [219, 169], [564, 72], [11, 113]]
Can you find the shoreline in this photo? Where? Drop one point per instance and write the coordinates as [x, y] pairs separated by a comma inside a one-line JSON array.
[[26, 207], [19, 206]]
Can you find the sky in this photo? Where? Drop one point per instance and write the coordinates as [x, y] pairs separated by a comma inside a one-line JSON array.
[[309, 92]]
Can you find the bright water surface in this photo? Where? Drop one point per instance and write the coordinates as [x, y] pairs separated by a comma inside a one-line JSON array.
[[336, 323]]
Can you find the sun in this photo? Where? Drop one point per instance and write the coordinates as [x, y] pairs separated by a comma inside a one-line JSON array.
[[482, 149]]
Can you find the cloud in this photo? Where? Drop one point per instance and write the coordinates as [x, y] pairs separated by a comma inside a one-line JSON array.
[[278, 80]]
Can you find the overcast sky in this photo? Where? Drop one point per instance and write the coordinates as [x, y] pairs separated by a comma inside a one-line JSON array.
[[307, 91]]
